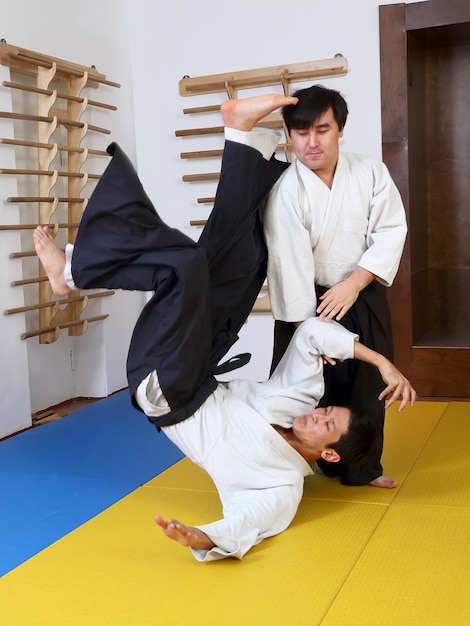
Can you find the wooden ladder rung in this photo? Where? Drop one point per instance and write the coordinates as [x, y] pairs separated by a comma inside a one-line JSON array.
[[190, 178], [51, 329]]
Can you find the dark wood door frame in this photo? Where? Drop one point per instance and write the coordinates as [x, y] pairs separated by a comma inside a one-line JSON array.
[[435, 371]]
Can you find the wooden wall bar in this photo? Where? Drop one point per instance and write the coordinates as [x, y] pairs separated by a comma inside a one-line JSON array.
[[231, 84], [55, 80]]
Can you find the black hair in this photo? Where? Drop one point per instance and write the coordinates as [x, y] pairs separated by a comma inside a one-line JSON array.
[[358, 442], [313, 103]]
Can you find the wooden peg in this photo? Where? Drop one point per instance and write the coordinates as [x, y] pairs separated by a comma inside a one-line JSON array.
[[205, 200], [22, 255], [201, 154], [42, 199], [27, 144], [50, 119], [52, 227], [17, 172], [270, 121], [59, 95], [59, 302], [51, 146], [206, 109], [199, 131], [191, 178], [55, 329], [28, 281]]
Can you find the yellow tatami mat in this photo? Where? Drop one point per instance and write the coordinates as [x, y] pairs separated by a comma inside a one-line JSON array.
[[441, 474], [414, 571], [352, 556]]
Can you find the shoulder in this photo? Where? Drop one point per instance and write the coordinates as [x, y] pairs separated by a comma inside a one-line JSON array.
[[286, 182], [368, 169], [284, 195], [356, 159]]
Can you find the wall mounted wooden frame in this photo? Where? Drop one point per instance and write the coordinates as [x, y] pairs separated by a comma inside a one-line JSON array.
[[230, 84], [56, 87]]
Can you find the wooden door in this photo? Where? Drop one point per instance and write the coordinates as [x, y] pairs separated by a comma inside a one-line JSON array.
[[425, 61]]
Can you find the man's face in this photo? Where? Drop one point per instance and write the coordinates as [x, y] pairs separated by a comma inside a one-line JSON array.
[[322, 427], [317, 147]]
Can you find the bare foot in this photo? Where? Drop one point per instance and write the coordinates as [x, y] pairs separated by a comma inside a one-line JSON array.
[[52, 259], [385, 482], [245, 113]]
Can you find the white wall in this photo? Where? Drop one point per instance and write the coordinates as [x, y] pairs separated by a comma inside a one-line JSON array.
[[32, 376], [14, 389], [148, 46]]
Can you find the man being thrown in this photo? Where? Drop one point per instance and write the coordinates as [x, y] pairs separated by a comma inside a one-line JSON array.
[[256, 440]]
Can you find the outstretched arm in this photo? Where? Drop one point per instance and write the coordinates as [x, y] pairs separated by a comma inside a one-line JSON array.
[[250, 515], [187, 536], [398, 386]]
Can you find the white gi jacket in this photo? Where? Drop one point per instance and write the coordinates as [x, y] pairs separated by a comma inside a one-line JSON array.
[[258, 475], [318, 235]]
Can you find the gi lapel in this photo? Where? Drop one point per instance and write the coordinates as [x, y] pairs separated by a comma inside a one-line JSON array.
[[333, 209]]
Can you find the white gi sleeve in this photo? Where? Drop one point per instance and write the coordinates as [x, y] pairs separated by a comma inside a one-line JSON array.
[[297, 385], [291, 269], [386, 232], [251, 516]]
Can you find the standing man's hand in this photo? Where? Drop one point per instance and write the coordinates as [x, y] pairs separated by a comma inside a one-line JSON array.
[[337, 301]]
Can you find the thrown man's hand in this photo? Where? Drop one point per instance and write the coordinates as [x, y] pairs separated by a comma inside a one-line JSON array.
[[187, 536], [398, 386]]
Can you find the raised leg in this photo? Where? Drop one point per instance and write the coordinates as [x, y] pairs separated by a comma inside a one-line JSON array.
[[233, 237], [203, 291]]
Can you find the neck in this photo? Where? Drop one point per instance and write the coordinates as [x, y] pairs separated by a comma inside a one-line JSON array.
[[326, 176], [288, 435]]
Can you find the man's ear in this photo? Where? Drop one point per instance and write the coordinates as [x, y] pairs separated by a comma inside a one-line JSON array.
[[330, 455]]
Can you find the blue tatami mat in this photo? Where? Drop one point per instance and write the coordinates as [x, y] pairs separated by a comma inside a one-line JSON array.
[[55, 477]]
